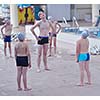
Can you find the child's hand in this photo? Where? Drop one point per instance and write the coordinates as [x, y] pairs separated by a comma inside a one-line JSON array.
[[57, 32], [76, 60], [38, 39], [30, 65], [3, 35]]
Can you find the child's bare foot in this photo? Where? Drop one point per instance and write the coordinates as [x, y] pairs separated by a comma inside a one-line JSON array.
[[47, 69], [11, 57], [88, 83], [6, 57], [49, 55], [19, 89], [27, 89], [38, 70], [80, 85]]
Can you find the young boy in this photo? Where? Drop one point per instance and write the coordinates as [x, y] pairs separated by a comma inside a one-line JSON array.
[[53, 34], [83, 57], [23, 60], [7, 36], [44, 27]]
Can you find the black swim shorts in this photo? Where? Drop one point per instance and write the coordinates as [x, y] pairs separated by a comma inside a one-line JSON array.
[[22, 61], [43, 40]]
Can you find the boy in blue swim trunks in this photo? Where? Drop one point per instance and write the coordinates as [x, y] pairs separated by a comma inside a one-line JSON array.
[[7, 36], [83, 57]]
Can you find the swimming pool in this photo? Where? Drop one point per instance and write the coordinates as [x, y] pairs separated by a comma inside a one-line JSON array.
[[94, 32]]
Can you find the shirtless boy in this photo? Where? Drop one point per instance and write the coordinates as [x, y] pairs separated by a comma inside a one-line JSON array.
[[83, 57], [7, 36], [23, 60], [44, 27], [53, 34]]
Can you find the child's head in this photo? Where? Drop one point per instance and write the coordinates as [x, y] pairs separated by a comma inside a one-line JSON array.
[[21, 37], [7, 21], [85, 34], [42, 15]]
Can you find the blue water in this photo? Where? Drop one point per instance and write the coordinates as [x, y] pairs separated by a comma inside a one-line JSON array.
[[92, 31]]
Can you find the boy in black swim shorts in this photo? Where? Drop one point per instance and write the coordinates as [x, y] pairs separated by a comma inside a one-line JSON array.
[[53, 34], [23, 60]]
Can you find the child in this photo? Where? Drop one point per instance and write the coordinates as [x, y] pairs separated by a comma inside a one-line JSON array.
[[7, 36], [83, 57], [23, 60], [44, 27], [53, 34]]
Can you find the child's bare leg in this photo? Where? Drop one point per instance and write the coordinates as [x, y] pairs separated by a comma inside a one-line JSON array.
[[19, 73], [45, 49], [88, 72], [39, 57], [5, 46], [50, 46], [55, 45], [24, 72], [9, 45], [81, 73]]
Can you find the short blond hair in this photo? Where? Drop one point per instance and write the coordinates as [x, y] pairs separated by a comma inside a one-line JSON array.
[[40, 13]]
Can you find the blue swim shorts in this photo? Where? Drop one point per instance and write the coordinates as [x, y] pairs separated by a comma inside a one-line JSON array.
[[84, 57], [7, 39]]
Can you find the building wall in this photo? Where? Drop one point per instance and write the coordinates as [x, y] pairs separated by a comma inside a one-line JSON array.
[[95, 12], [81, 10], [69, 10], [58, 11], [0, 10], [6, 11]]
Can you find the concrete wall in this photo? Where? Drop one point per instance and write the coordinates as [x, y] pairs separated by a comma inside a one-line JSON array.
[[58, 11], [95, 12], [81, 10]]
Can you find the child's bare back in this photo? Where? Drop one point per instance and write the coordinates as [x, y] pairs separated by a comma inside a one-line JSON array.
[[23, 61], [21, 49], [83, 45]]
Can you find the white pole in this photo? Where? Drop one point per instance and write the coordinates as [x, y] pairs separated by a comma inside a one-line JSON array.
[[14, 15]]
